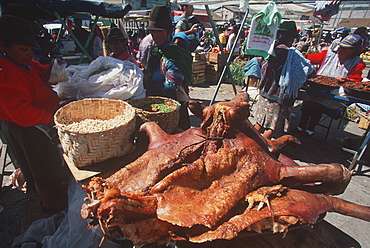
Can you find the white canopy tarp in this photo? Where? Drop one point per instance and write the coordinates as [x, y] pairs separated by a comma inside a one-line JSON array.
[[256, 6]]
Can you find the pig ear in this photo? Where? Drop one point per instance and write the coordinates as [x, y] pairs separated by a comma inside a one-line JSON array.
[[157, 137], [207, 117], [196, 108]]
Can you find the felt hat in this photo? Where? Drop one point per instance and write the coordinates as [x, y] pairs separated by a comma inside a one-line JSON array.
[[17, 30], [361, 30], [160, 19], [183, 36], [115, 34], [289, 27], [232, 21], [351, 41]]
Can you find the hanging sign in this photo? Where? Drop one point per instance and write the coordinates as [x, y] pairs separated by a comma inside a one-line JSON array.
[[262, 34]]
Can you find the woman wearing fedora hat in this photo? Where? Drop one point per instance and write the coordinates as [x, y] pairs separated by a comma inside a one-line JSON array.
[[169, 69], [27, 106], [282, 77], [118, 45]]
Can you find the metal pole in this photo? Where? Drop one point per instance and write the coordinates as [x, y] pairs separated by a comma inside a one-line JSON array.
[[88, 40], [223, 57], [73, 36]]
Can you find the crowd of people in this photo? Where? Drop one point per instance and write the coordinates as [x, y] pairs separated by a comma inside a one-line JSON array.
[[282, 76], [310, 42], [28, 102]]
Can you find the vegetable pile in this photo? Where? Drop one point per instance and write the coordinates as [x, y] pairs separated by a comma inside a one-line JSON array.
[[158, 107]]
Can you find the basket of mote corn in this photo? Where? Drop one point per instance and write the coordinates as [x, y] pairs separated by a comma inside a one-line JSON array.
[[164, 111], [94, 130]]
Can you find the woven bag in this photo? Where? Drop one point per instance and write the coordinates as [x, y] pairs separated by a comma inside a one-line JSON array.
[[94, 130], [168, 121]]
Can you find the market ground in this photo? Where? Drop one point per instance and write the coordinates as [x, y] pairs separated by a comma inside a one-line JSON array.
[[18, 212]]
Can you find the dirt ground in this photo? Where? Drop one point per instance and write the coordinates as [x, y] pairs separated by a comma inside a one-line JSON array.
[[19, 211]]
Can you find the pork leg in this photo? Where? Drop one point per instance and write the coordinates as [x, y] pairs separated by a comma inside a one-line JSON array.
[[304, 206]]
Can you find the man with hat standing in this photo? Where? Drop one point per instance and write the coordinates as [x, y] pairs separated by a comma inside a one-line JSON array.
[[80, 33], [183, 25], [343, 64], [117, 43], [282, 77], [169, 70], [27, 107]]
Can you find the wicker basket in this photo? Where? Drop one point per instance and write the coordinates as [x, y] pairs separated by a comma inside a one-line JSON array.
[[84, 147], [168, 121]]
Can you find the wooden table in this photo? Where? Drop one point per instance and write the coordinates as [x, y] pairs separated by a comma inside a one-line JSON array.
[[106, 168]]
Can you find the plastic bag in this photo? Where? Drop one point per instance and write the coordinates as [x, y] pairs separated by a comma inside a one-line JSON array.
[[66, 229], [58, 72], [67, 90], [262, 33], [105, 77]]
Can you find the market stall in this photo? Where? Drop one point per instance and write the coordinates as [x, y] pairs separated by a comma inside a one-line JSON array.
[[57, 10], [188, 187], [69, 230], [147, 177], [246, 6], [346, 95]]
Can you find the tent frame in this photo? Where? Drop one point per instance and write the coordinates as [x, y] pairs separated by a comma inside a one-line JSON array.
[[228, 60], [55, 10], [83, 47]]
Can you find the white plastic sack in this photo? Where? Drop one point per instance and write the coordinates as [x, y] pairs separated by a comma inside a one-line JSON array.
[[262, 33], [66, 89], [105, 77], [64, 230]]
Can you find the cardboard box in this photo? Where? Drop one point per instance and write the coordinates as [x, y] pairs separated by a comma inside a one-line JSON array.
[[363, 123]]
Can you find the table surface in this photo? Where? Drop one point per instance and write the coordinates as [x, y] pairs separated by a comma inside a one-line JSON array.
[[108, 167], [343, 98], [322, 234]]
